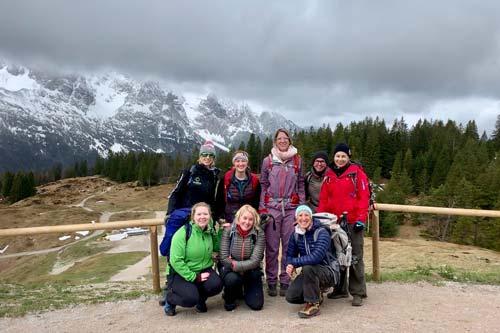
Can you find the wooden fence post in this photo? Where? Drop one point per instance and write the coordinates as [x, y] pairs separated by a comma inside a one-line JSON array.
[[375, 243], [155, 266]]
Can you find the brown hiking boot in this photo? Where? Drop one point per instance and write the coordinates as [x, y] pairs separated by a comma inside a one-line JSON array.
[[309, 310], [357, 300]]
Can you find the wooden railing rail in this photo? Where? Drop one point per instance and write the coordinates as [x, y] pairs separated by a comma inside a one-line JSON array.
[[151, 223], [418, 210]]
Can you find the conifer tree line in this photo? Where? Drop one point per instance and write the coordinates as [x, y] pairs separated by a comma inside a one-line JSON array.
[[433, 163]]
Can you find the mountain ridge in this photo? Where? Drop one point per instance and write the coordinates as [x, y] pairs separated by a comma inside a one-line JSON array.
[[47, 118]]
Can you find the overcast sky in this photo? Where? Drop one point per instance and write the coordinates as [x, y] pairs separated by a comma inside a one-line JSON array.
[[314, 61]]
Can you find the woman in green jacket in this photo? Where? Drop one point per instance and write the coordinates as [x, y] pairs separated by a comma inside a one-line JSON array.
[[193, 279], [241, 253]]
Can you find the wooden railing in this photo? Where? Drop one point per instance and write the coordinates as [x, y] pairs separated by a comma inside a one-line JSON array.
[[418, 210], [153, 223]]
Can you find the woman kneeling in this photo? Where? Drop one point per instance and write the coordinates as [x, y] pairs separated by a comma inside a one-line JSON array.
[[241, 253], [193, 279], [308, 248]]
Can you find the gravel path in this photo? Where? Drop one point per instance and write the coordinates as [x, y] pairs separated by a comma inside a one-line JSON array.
[[390, 307]]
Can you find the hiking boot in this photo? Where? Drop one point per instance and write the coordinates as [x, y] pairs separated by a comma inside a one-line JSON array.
[[309, 310], [201, 307], [169, 309], [357, 300], [229, 306], [337, 294], [271, 289], [283, 289]]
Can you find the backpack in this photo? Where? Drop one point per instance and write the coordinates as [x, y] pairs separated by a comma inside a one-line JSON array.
[[178, 218], [341, 242], [327, 220], [297, 171], [227, 179]]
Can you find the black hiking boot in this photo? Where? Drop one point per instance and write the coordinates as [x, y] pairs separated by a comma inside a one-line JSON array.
[[283, 289], [271, 289], [337, 294], [201, 307]]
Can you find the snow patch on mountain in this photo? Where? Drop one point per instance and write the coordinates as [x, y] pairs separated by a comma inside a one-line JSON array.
[[18, 81], [107, 99]]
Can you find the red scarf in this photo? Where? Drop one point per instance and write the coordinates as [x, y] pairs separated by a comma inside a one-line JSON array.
[[242, 232]]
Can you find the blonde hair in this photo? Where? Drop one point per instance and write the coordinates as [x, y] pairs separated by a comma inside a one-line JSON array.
[[251, 210], [200, 204]]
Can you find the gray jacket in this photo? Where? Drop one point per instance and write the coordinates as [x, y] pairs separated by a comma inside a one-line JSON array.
[[247, 253]]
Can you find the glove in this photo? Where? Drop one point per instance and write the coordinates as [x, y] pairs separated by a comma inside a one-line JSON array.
[[358, 226], [263, 217], [228, 267]]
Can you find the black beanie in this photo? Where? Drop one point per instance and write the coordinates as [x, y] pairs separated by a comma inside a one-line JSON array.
[[343, 147], [320, 154]]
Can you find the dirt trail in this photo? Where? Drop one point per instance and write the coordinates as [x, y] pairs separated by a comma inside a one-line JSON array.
[[390, 307]]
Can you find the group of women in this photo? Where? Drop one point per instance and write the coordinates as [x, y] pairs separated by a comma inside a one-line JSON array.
[[284, 199]]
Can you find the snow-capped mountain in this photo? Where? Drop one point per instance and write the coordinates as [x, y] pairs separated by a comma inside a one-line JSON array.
[[47, 118]]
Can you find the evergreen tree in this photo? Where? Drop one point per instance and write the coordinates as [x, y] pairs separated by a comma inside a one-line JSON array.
[[8, 179], [99, 165], [495, 136]]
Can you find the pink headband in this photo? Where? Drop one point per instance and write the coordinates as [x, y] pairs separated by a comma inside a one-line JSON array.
[[240, 156]]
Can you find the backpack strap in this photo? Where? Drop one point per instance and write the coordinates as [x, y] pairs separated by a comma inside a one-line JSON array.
[[189, 228], [254, 180], [231, 238], [227, 180], [296, 167]]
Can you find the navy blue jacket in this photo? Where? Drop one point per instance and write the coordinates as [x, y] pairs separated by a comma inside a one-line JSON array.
[[305, 251]]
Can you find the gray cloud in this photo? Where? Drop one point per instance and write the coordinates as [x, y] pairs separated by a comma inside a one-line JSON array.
[[316, 61]]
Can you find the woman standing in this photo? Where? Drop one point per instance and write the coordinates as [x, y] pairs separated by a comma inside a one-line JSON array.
[[346, 190], [241, 253], [240, 187], [198, 183], [282, 191], [192, 279], [313, 179]]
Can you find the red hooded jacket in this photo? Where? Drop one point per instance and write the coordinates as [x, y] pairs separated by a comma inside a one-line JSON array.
[[348, 193]]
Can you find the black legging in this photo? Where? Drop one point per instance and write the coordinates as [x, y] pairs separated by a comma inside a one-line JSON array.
[[249, 285], [188, 294]]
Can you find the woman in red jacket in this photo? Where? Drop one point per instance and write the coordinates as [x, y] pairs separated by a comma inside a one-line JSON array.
[[346, 189]]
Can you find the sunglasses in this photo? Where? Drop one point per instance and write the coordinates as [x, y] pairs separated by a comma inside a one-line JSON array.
[[207, 155]]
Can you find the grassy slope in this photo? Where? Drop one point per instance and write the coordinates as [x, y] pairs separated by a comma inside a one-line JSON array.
[[26, 283]]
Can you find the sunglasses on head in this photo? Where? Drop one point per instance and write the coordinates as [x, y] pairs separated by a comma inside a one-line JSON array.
[[207, 155]]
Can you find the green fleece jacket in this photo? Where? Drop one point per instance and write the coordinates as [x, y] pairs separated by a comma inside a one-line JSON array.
[[188, 259]]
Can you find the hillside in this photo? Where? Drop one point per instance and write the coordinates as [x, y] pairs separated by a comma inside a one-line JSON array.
[[82, 200], [79, 262]]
